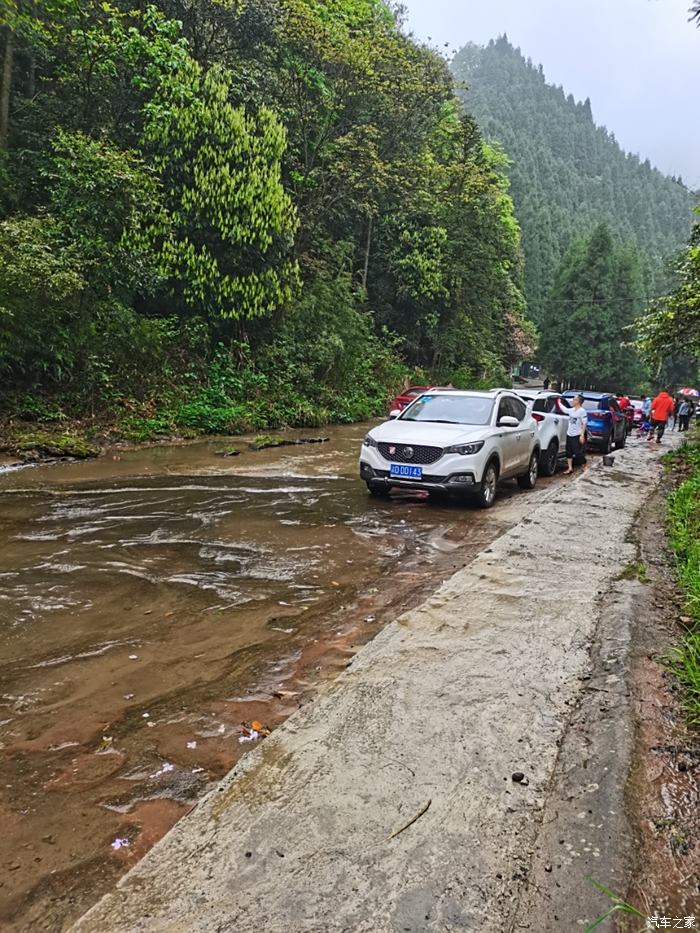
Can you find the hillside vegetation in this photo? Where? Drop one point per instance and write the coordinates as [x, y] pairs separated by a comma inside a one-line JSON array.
[[216, 216], [568, 175]]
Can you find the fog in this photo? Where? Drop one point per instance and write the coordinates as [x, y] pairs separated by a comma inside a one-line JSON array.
[[638, 61]]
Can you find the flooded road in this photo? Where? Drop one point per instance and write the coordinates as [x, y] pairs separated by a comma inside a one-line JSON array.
[[152, 602]]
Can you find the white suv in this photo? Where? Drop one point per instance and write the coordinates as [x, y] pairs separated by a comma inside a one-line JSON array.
[[454, 442], [549, 409]]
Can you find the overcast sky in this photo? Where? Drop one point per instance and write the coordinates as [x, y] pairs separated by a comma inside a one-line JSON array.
[[638, 61]]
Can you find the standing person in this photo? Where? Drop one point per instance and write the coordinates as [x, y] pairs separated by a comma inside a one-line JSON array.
[[661, 409], [576, 436], [674, 413], [646, 407], [545, 384], [683, 415]]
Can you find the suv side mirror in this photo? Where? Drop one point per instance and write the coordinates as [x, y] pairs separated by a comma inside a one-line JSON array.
[[508, 421], [395, 413]]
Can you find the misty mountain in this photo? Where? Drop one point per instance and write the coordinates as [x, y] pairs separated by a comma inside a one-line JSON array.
[[567, 174]]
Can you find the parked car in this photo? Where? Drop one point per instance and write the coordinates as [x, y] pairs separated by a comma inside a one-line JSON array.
[[607, 425], [408, 395], [549, 411], [454, 442], [636, 405], [627, 409]]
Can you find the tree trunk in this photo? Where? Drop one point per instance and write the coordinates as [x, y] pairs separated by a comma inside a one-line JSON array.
[[31, 69], [5, 87], [367, 248]]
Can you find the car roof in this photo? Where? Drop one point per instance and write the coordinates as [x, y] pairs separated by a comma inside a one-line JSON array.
[[478, 393], [536, 393], [585, 394]]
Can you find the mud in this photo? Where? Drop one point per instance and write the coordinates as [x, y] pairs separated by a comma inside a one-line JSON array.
[[160, 597], [663, 793]]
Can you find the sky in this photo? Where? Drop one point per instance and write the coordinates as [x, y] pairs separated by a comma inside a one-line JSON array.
[[637, 60]]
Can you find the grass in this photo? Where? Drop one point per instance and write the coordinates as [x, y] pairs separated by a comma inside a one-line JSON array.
[[267, 440], [55, 445], [635, 570], [619, 906], [684, 535]]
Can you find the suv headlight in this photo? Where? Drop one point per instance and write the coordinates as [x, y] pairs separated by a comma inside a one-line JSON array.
[[465, 449], [369, 441]]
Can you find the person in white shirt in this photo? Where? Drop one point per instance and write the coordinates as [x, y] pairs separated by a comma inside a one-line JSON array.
[[576, 435]]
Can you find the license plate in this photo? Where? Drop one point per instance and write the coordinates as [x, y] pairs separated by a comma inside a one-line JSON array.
[[403, 471]]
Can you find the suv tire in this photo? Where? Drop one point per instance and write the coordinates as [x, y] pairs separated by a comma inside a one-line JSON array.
[[486, 495], [528, 480], [548, 460], [620, 444]]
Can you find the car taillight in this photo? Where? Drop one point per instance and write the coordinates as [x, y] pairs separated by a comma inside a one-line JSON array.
[[600, 414], [537, 415]]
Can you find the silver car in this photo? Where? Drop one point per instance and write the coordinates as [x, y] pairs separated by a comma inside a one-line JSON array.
[[549, 409], [454, 442]]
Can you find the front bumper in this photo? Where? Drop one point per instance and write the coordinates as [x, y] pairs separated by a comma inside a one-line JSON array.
[[464, 480]]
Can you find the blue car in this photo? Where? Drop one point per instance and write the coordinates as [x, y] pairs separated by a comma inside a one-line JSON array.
[[606, 422]]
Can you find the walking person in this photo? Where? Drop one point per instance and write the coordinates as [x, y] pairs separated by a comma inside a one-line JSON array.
[[684, 415], [661, 409], [576, 436]]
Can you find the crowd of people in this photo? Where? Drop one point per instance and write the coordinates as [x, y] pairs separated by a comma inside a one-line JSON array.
[[666, 410]]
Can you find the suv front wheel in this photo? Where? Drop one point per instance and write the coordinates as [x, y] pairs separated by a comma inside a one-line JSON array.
[[528, 480], [486, 495]]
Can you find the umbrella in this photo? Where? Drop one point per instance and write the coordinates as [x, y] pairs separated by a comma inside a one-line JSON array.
[[688, 391]]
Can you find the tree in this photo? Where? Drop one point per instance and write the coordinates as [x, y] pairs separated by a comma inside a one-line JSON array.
[[671, 329], [224, 237], [595, 297]]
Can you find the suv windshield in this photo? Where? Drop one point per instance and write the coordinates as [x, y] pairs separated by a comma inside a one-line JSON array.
[[450, 409]]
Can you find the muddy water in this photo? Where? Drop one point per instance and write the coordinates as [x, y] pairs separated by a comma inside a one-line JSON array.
[[155, 600]]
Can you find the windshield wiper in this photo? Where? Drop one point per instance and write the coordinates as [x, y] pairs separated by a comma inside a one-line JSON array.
[[431, 421]]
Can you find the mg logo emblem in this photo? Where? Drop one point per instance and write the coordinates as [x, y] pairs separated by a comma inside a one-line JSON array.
[[392, 450], [408, 453]]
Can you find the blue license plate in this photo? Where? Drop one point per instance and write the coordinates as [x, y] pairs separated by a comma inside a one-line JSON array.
[[403, 471]]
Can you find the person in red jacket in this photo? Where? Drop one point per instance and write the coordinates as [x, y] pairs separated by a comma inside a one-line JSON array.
[[661, 411]]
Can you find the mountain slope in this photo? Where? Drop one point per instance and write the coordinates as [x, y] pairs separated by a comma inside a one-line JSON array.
[[567, 174]]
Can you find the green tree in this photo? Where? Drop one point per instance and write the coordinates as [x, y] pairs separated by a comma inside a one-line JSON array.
[[595, 297], [671, 329]]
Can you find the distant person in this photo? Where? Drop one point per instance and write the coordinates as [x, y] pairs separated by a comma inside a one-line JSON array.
[[576, 436], [674, 413], [646, 406], [545, 384], [684, 415], [661, 410], [623, 401]]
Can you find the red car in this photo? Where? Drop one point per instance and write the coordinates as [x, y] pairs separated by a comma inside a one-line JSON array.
[[408, 395]]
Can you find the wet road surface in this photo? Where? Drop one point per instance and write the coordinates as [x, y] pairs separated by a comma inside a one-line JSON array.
[[153, 601]]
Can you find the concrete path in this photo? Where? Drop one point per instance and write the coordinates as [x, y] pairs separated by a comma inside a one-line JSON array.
[[389, 803]]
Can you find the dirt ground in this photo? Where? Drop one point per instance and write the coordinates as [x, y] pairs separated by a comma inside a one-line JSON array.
[[663, 792]]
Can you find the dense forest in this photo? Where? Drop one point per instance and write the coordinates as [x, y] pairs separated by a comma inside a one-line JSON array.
[[216, 216], [569, 175]]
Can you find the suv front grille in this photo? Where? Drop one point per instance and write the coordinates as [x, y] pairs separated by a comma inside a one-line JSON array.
[[410, 453]]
